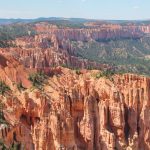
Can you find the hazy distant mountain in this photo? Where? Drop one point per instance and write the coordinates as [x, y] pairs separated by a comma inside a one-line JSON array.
[[10, 21], [77, 20]]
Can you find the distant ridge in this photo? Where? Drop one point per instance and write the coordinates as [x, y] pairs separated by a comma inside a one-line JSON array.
[[4, 21]]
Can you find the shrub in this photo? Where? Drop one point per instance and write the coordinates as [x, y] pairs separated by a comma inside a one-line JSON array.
[[37, 79], [78, 72], [4, 88], [20, 87], [106, 73], [15, 146], [2, 145], [2, 119]]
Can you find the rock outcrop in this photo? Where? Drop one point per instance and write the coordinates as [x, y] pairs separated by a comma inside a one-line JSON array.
[[12, 72], [78, 111], [44, 51], [95, 32]]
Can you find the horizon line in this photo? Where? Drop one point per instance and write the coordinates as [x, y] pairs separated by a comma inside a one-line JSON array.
[[74, 18]]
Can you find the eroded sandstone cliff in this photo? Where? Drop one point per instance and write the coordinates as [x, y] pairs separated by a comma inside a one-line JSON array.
[[76, 111], [52, 45]]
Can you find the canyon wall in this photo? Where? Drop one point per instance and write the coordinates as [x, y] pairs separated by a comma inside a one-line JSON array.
[[79, 112], [100, 32], [52, 46]]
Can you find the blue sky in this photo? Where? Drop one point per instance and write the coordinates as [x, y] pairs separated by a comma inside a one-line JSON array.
[[95, 9]]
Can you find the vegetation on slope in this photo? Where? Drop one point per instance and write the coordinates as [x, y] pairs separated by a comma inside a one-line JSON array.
[[11, 32], [4, 88], [67, 24], [37, 79], [106, 73], [14, 146], [20, 86], [2, 119], [129, 55]]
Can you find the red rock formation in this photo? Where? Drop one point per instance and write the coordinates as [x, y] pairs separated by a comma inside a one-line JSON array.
[[76, 112], [95, 32], [11, 71], [43, 51], [52, 45], [80, 112]]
